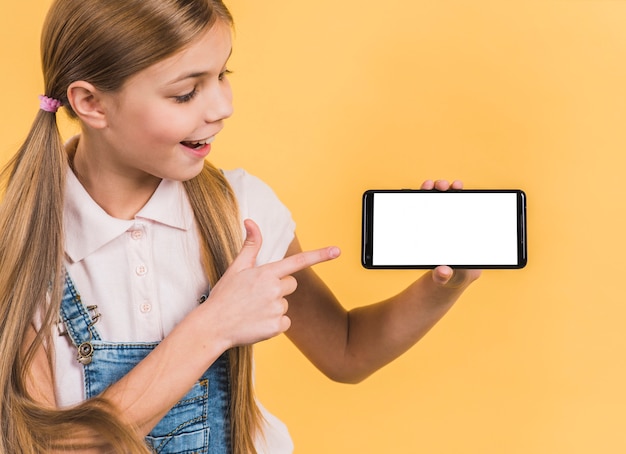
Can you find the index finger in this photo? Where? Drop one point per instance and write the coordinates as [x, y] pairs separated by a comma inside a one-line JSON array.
[[301, 260]]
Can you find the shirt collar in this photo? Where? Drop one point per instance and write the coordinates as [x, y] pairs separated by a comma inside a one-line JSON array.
[[88, 227]]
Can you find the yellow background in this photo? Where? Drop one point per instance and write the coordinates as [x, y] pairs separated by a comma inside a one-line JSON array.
[[336, 97]]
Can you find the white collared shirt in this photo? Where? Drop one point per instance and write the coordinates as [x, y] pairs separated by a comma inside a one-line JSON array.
[[145, 274]]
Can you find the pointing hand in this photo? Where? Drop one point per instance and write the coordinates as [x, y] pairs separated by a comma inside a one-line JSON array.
[[250, 300]]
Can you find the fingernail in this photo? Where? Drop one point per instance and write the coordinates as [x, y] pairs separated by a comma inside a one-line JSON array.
[[334, 252]]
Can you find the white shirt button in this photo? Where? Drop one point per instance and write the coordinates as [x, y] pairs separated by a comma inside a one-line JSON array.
[[145, 308], [136, 234], [141, 270]]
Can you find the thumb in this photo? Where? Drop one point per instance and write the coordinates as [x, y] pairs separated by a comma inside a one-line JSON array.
[[443, 274], [251, 247]]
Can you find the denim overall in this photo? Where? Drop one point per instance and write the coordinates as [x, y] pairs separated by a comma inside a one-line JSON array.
[[198, 423]]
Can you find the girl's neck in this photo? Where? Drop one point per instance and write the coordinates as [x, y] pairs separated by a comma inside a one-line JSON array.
[[121, 196]]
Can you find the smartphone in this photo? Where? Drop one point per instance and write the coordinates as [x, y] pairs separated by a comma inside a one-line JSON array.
[[421, 229]]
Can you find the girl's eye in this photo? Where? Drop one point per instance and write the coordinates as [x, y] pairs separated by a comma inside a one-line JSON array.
[[224, 73], [186, 97]]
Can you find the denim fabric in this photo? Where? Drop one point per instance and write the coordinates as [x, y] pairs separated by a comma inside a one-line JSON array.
[[198, 423]]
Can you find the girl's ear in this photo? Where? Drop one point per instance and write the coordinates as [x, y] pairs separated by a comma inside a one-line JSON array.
[[87, 103]]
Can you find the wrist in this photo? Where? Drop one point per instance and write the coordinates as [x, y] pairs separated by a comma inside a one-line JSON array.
[[199, 338]]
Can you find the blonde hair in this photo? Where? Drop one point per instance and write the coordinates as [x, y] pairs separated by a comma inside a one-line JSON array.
[[103, 42]]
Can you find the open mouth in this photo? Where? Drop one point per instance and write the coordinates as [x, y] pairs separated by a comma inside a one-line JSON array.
[[194, 145]]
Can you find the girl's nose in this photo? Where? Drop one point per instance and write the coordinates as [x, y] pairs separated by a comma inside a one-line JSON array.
[[220, 103]]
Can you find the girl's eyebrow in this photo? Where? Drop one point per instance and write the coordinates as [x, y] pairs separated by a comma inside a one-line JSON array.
[[197, 74], [194, 75]]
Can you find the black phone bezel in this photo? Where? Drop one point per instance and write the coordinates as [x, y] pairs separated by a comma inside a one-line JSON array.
[[367, 220]]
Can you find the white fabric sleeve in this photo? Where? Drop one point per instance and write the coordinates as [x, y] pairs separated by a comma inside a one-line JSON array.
[[257, 201]]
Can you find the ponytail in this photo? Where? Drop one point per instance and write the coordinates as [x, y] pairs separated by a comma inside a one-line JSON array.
[[217, 217], [31, 257], [31, 249]]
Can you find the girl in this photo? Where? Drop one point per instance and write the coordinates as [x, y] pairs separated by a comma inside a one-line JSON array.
[[110, 338]]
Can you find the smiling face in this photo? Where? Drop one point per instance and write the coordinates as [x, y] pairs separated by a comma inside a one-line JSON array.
[[161, 123]]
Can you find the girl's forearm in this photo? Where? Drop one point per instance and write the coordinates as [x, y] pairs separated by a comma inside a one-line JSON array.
[[381, 332], [348, 346], [159, 381]]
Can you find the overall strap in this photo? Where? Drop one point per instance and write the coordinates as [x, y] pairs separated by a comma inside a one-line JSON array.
[[78, 320]]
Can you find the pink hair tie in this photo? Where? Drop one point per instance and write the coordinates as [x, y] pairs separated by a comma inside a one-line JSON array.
[[49, 104]]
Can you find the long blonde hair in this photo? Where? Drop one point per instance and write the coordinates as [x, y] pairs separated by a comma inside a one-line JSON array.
[[103, 42]]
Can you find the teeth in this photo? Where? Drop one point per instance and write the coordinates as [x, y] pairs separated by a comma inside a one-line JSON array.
[[198, 143]]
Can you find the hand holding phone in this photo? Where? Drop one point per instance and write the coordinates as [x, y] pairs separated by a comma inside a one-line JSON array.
[[422, 229]]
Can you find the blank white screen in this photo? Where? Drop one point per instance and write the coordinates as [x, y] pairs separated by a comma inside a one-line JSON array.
[[463, 228]]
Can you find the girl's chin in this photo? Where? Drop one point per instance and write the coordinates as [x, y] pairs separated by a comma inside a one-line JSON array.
[[190, 173]]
